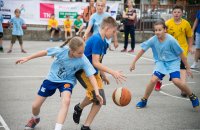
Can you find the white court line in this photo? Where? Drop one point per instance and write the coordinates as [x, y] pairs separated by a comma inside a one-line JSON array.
[[173, 95], [4, 123]]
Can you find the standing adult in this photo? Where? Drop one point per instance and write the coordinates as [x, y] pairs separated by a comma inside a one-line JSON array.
[[129, 25], [196, 26], [88, 11]]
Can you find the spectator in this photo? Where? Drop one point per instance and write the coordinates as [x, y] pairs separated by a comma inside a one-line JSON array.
[[68, 27], [1, 33], [53, 28], [129, 26], [78, 25], [196, 27], [16, 24], [88, 11]]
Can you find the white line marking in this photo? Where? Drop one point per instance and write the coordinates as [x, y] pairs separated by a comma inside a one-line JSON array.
[[173, 95], [4, 123]]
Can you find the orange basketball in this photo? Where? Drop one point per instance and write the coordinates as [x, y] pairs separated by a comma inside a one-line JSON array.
[[121, 96]]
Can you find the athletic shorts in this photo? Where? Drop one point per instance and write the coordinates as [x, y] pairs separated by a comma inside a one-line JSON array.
[[57, 30], [48, 88], [90, 93], [1, 34], [172, 75], [182, 66], [14, 37], [197, 40]]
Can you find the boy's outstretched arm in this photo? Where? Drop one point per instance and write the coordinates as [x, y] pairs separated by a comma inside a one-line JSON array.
[[116, 74], [141, 52], [184, 59], [36, 55], [93, 81]]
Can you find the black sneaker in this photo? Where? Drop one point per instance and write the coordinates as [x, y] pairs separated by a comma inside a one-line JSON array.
[[77, 114], [85, 127]]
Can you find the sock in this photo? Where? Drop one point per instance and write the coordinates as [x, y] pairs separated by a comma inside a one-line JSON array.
[[36, 117], [58, 126]]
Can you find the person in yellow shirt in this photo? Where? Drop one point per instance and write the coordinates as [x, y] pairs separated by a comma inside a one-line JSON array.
[[53, 28], [68, 27], [181, 30]]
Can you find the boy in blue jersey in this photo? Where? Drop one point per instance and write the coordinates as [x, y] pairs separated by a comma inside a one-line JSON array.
[[95, 49], [1, 33], [16, 23], [167, 54], [61, 76]]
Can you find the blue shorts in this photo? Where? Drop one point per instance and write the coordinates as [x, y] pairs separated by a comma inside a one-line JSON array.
[[48, 88], [197, 40], [172, 75]]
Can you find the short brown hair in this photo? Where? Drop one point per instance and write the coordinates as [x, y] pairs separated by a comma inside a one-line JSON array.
[[109, 21]]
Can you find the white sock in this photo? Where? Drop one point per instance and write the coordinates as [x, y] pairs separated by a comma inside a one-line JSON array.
[[36, 117], [58, 126]]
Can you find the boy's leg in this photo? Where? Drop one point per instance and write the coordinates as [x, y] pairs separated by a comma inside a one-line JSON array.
[[21, 44], [1, 41], [65, 102], [14, 37], [154, 79], [183, 87], [93, 112]]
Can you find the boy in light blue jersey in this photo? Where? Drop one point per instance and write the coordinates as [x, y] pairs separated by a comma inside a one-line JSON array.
[[167, 54], [1, 33], [17, 33], [96, 20], [61, 76]]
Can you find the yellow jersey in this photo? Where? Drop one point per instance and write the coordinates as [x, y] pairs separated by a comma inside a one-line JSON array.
[[52, 23], [180, 32], [67, 25]]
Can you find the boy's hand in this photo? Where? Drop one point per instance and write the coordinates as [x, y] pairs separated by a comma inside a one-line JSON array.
[[100, 99], [119, 77], [21, 61], [190, 49], [132, 67], [189, 72], [105, 80]]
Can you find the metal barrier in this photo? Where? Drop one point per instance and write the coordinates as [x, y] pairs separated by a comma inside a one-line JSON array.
[[148, 14]]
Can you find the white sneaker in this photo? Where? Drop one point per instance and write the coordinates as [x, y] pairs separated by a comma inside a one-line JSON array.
[[194, 66]]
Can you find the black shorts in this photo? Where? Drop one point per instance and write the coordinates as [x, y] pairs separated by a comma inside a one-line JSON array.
[[1, 34], [182, 66], [57, 30]]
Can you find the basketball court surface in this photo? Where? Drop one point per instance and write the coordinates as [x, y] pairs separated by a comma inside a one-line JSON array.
[[165, 110]]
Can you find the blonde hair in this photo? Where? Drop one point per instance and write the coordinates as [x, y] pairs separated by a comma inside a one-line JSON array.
[[109, 22], [74, 43]]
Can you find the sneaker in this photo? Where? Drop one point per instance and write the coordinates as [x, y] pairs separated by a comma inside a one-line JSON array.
[[124, 50], [85, 127], [142, 103], [51, 39], [9, 51], [183, 94], [195, 101], [77, 113], [131, 51], [23, 51], [158, 86], [32, 123], [194, 66]]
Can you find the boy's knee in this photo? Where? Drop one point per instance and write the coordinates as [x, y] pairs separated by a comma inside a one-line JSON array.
[[154, 81]]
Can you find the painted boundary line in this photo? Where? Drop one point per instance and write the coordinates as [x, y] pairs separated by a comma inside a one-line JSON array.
[[4, 124], [172, 95]]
